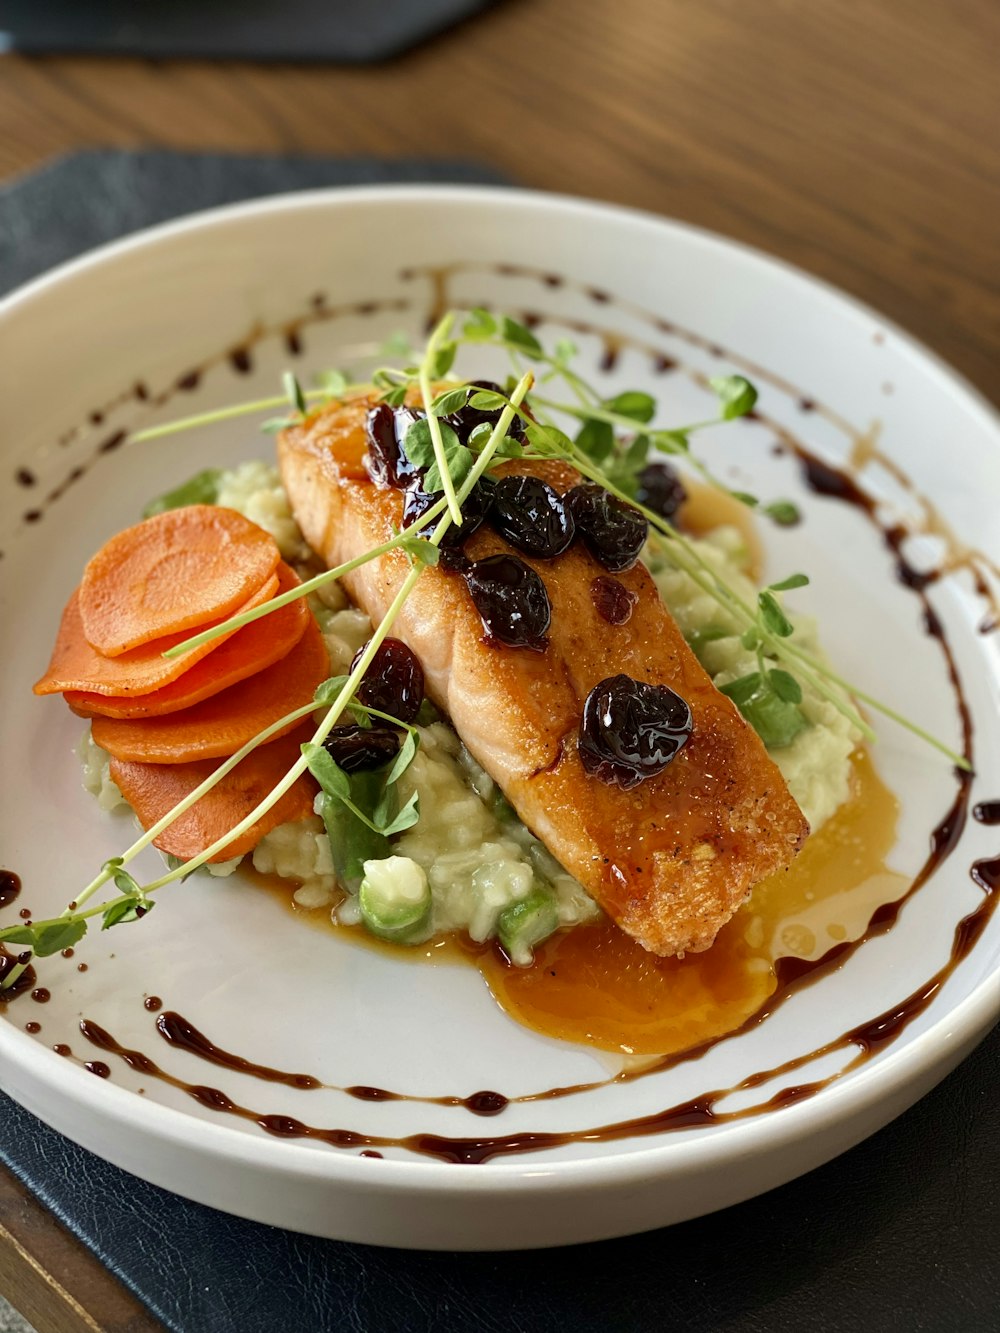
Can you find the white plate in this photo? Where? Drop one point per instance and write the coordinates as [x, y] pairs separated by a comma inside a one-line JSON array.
[[147, 311]]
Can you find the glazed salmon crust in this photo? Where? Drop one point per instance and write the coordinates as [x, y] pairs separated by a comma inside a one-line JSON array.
[[669, 860]]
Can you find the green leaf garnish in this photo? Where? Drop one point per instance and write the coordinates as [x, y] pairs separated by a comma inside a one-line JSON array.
[[776, 720], [443, 360], [122, 878], [522, 338], [772, 617], [420, 550], [406, 756], [419, 448], [548, 441], [330, 776], [633, 404], [328, 691], [201, 489], [479, 326], [785, 686], [17, 935], [783, 512], [296, 397], [450, 400], [121, 913], [484, 400], [793, 581], [406, 818], [736, 395], [596, 439]]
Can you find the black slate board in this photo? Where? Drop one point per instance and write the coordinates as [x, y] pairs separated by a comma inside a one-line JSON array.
[[338, 31], [899, 1234]]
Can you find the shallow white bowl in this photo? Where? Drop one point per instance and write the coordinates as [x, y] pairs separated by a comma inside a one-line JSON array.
[[148, 311]]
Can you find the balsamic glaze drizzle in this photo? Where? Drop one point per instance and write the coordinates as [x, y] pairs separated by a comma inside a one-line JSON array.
[[10, 888], [792, 974], [868, 1038]]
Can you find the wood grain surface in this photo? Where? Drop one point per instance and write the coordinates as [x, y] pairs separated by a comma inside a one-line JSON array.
[[859, 139]]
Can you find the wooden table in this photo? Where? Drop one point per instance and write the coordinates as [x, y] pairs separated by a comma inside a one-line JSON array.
[[859, 139]]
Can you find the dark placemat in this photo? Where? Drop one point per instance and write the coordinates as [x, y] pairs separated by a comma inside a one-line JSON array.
[[899, 1234], [84, 200], [339, 31]]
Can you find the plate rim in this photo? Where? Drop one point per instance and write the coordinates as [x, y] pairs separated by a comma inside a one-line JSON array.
[[958, 1027]]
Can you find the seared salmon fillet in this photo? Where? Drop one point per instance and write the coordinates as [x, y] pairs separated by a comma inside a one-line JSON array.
[[669, 860]]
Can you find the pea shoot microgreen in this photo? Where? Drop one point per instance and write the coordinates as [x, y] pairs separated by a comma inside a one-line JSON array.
[[201, 489], [385, 820], [425, 450], [611, 445]]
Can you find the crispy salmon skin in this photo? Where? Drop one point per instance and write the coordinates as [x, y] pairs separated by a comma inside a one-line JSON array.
[[669, 860]]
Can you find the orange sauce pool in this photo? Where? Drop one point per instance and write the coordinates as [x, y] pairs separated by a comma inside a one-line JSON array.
[[596, 986], [706, 508]]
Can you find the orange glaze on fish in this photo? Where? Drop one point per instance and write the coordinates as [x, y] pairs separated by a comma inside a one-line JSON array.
[[670, 860]]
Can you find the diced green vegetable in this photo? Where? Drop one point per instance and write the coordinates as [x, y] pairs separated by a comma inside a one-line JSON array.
[[524, 924], [352, 842], [395, 900], [201, 489]]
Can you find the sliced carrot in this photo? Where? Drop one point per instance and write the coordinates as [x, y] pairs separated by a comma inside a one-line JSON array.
[[224, 723], [152, 790], [177, 571], [75, 665], [251, 649]]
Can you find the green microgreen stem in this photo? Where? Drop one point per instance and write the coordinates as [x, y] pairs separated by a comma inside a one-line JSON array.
[[768, 632], [364, 661], [803, 658], [310, 585], [584, 392], [330, 719], [815, 673], [16, 971], [687, 558], [615, 418], [427, 364], [164, 823], [227, 414], [318, 737]]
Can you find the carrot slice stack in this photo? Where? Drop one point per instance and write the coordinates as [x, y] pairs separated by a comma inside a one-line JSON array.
[[76, 665], [221, 725], [177, 571], [152, 790], [168, 722], [250, 650]]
